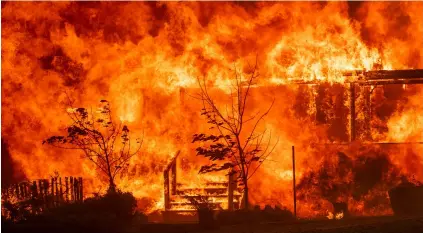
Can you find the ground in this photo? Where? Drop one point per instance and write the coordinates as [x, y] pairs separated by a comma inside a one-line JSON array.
[[358, 225]]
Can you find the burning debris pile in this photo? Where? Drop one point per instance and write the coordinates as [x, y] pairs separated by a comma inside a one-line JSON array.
[[145, 59]]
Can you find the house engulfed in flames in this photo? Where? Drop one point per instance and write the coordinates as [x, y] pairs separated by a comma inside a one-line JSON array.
[[220, 195], [144, 58]]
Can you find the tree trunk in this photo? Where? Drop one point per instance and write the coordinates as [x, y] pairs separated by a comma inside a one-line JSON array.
[[112, 186], [246, 202]]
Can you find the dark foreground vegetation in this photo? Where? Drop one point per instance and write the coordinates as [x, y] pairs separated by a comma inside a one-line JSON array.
[[116, 212], [112, 212]]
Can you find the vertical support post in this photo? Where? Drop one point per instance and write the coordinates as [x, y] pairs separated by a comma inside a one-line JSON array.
[[27, 189], [231, 191], [166, 190], [46, 198], [24, 191], [57, 190], [80, 189], [40, 188], [52, 186], [75, 188], [368, 111], [174, 182], [46, 186], [61, 189], [66, 189], [21, 186], [17, 191], [71, 188], [34, 189], [352, 112], [293, 182]]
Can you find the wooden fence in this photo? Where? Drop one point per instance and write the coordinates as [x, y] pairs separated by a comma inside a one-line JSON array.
[[52, 191]]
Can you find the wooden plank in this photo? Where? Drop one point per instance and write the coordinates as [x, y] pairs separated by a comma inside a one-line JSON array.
[[352, 112], [166, 190], [71, 188], [21, 190], [17, 191], [34, 189], [293, 182], [52, 187], [57, 196], [75, 189], [66, 189], [81, 193], [40, 188], [61, 189], [231, 191], [173, 176]]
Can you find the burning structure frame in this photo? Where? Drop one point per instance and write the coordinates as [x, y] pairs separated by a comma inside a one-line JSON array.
[[229, 190]]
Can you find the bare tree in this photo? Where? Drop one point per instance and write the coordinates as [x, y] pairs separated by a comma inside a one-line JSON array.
[[98, 137], [238, 148]]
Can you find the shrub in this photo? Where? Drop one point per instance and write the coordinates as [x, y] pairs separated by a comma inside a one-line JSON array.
[[112, 212], [205, 212]]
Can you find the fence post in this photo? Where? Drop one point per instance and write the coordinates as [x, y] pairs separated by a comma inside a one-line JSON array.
[[47, 196], [174, 182], [17, 190], [61, 189], [66, 189], [166, 190], [40, 188], [81, 194], [71, 188], [34, 189], [75, 186], [293, 182], [22, 191]]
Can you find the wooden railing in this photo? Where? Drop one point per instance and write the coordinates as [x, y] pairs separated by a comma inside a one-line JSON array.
[[172, 189]]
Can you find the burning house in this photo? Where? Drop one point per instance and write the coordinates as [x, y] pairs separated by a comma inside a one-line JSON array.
[[343, 79]]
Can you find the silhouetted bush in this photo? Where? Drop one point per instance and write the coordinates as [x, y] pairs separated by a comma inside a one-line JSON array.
[[205, 212], [113, 212], [407, 199]]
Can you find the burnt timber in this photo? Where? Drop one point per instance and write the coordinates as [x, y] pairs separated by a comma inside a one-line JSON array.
[[221, 192], [376, 77], [371, 78]]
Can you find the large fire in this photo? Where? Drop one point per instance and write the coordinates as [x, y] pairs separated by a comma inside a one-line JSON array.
[[145, 58]]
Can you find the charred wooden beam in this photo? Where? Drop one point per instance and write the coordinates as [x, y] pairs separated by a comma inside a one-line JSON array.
[[375, 77], [393, 74], [294, 191], [166, 190], [81, 191], [352, 112], [209, 195], [390, 81], [173, 177], [171, 165], [231, 187]]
